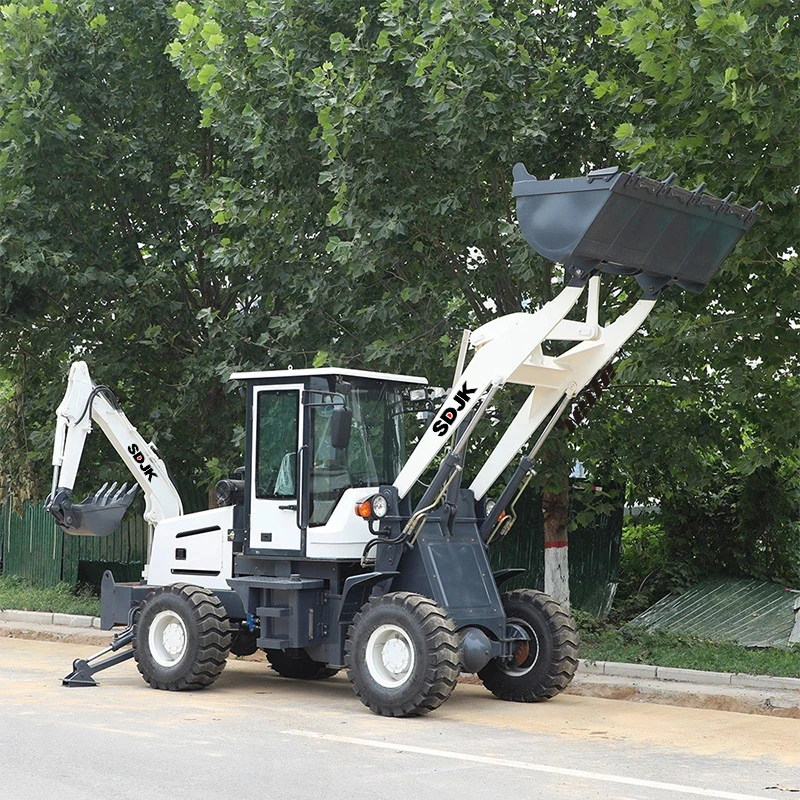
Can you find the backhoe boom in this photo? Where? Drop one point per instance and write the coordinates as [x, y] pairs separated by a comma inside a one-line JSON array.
[[100, 514]]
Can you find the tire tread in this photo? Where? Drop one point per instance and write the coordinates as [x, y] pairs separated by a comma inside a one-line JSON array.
[[214, 639], [563, 662], [441, 659]]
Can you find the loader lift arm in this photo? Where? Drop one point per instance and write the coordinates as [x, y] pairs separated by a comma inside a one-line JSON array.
[[101, 513], [610, 221]]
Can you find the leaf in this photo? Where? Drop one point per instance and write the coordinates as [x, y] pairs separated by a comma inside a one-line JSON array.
[[207, 72], [624, 131]]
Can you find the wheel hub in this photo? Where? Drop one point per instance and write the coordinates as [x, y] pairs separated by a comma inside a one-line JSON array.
[[167, 638], [390, 656], [174, 639], [395, 656], [522, 652], [526, 651]]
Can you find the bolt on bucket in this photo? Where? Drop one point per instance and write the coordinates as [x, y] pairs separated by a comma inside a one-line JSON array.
[[100, 514], [625, 223]]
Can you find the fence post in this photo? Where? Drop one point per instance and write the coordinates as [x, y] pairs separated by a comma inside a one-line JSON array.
[[9, 506]]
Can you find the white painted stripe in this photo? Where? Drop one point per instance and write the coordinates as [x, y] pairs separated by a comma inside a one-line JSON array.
[[503, 762]]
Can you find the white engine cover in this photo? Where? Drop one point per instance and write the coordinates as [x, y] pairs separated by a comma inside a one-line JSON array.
[[193, 548], [344, 535]]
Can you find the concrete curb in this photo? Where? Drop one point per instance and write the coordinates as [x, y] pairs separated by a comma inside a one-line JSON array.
[[696, 676], [48, 618]]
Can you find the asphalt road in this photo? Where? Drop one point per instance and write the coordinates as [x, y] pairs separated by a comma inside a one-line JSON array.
[[257, 735]]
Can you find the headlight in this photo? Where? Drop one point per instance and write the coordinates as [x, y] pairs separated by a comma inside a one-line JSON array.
[[375, 507], [380, 506], [489, 506]]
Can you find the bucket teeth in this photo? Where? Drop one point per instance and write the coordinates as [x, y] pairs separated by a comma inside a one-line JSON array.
[[109, 495], [100, 514]]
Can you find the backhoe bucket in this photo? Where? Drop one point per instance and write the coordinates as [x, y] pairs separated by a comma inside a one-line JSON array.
[[624, 223], [100, 514]]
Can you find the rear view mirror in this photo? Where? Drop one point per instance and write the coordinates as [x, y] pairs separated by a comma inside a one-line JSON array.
[[340, 427]]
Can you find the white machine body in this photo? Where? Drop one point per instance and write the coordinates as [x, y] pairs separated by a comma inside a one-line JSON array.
[[200, 547]]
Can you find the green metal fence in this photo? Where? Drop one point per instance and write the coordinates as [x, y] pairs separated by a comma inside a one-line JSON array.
[[31, 545], [593, 555], [34, 547]]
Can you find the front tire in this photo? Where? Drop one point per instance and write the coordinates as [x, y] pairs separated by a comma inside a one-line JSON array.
[[547, 655], [402, 655], [181, 638]]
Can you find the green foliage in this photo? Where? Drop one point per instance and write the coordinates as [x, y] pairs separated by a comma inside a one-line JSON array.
[[605, 642], [748, 526], [18, 593], [646, 572], [654, 561], [703, 413], [408, 118], [112, 202], [190, 189]]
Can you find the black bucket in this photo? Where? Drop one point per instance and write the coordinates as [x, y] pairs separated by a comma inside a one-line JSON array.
[[100, 514], [622, 222]]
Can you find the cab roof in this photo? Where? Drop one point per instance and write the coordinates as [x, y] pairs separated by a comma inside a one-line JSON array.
[[327, 371]]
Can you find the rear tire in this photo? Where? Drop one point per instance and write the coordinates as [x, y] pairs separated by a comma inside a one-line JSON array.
[[547, 656], [243, 642], [181, 638], [402, 655], [298, 664]]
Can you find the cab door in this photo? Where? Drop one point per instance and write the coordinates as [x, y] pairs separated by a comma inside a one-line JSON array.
[[276, 435]]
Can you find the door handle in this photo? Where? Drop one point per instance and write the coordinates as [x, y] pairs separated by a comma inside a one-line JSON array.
[[288, 508], [301, 483]]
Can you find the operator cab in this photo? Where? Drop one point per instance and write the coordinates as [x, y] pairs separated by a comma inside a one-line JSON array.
[[318, 440]]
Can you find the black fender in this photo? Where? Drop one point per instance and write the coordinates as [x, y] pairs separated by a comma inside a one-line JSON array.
[[503, 575], [356, 592]]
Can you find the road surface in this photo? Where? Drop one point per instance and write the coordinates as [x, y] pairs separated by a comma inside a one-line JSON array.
[[254, 734]]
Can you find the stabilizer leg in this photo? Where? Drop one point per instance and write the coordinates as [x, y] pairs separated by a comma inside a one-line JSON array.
[[82, 668]]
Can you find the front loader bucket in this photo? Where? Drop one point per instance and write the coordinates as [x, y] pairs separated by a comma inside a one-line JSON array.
[[622, 222], [100, 514]]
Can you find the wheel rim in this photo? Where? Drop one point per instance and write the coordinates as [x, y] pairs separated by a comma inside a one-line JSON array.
[[527, 651], [167, 638], [390, 656]]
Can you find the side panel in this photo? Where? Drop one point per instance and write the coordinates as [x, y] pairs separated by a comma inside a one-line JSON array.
[[345, 534], [194, 548], [449, 564]]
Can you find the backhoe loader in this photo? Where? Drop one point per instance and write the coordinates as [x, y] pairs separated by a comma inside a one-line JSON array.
[[321, 552]]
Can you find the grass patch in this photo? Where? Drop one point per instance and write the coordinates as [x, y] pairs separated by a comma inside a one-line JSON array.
[[605, 642], [20, 594]]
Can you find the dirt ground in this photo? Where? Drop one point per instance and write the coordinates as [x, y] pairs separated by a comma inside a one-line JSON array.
[[608, 687]]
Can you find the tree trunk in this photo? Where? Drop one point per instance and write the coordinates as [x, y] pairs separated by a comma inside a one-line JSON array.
[[555, 507]]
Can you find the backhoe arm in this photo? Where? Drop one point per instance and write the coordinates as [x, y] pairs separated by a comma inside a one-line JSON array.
[[100, 514]]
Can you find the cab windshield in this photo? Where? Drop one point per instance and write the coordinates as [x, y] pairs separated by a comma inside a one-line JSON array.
[[376, 452]]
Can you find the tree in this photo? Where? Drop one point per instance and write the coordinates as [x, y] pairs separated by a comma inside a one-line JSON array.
[[275, 183], [708, 421], [115, 245], [413, 114]]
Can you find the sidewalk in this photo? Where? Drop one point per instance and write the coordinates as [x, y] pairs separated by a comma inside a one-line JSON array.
[[721, 691]]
